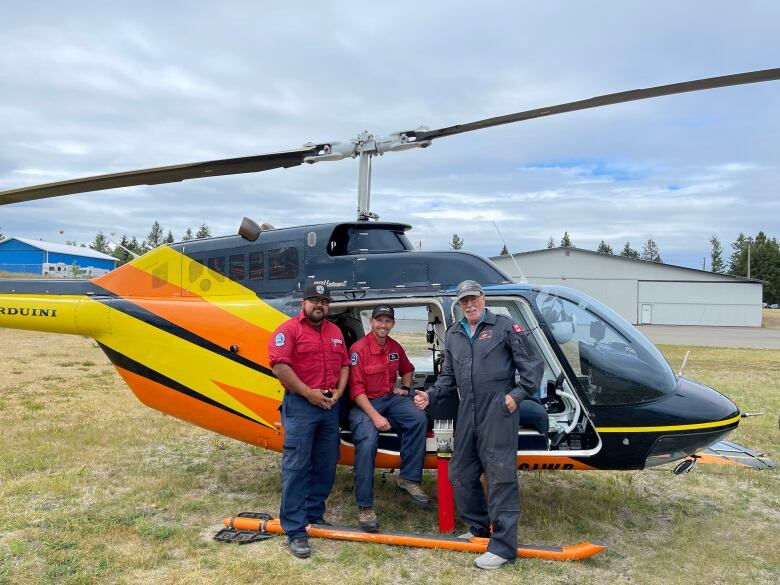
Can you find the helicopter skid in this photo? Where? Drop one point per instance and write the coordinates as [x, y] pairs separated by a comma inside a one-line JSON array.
[[248, 522]]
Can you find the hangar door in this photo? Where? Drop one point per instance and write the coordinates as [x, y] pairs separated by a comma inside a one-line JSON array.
[[700, 303]]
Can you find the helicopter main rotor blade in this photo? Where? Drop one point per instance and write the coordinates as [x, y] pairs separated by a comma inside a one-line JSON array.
[[604, 100], [171, 174]]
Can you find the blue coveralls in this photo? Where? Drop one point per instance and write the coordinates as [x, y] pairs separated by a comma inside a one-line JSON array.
[[482, 369]]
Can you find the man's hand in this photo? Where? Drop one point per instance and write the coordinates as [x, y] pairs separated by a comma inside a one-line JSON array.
[[421, 400], [317, 397], [511, 405], [381, 423]]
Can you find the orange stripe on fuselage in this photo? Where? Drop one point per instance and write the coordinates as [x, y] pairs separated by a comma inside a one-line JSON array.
[[264, 407], [193, 313], [169, 401]]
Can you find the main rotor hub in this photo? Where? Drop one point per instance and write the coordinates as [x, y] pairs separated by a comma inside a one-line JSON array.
[[366, 145]]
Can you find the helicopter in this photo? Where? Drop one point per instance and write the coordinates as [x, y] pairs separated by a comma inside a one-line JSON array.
[[186, 325]]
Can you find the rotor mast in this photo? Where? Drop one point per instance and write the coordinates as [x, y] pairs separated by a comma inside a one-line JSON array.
[[366, 145]]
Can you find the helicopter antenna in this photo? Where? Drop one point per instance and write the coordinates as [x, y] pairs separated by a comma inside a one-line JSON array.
[[684, 363], [512, 256]]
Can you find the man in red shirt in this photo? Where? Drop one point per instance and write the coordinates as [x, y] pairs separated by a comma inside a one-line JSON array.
[[377, 359], [308, 355]]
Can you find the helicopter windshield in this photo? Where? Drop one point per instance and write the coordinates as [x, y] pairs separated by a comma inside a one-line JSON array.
[[614, 363]]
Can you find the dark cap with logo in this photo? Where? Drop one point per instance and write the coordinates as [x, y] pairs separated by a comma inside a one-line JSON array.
[[383, 310], [468, 288], [317, 291]]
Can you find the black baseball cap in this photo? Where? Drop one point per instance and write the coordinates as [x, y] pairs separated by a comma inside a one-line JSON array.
[[318, 291], [383, 310]]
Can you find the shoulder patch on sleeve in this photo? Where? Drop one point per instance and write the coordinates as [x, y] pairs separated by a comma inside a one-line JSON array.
[[279, 340], [516, 328], [354, 358]]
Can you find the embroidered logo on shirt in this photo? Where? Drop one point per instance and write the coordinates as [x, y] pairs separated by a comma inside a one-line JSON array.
[[354, 358], [516, 328], [279, 341], [336, 341], [393, 357], [486, 334]]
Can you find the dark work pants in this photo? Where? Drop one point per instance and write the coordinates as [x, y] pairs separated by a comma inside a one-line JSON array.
[[490, 446], [408, 421], [311, 449]]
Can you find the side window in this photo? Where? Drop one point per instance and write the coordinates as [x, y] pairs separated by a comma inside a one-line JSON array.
[[217, 264], [256, 266], [237, 268], [283, 263]]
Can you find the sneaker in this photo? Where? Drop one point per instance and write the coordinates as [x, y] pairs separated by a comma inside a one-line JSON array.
[[367, 518], [299, 547], [489, 561], [414, 490]]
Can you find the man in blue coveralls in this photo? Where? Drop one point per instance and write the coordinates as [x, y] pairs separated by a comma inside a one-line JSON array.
[[308, 355], [483, 351]]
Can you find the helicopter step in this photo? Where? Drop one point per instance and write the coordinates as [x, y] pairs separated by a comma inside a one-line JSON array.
[[261, 523]]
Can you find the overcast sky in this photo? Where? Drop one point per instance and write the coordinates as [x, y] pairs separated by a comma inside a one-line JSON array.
[[91, 88]]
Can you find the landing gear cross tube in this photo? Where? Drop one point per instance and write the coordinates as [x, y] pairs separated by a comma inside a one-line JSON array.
[[475, 545]]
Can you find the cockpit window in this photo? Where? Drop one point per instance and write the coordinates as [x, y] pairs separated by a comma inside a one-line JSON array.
[[614, 363]]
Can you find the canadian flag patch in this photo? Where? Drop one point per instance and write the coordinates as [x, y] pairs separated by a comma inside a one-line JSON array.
[[516, 328]]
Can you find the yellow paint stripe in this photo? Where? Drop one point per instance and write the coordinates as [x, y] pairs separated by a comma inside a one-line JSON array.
[[185, 362], [191, 276], [709, 425]]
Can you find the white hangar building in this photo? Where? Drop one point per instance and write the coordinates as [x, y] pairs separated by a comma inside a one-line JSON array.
[[645, 292]]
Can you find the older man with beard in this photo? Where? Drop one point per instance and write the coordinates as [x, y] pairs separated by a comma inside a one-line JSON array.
[[308, 355]]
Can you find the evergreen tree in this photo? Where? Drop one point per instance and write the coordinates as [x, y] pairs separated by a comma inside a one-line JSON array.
[[566, 241], [136, 247], [71, 243], [155, 237], [629, 252], [504, 251], [604, 248], [550, 243], [738, 261], [650, 251], [203, 232], [457, 242], [716, 256], [100, 244], [187, 235], [76, 271], [169, 238], [120, 253]]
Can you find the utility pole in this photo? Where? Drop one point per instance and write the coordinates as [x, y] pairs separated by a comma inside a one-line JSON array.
[[704, 263], [749, 242]]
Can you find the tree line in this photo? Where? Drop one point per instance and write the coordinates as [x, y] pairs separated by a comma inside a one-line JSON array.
[[127, 244], [756, 257]]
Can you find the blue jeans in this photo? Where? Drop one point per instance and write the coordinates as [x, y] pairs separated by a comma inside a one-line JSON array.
[[311, 449], [408, 421]]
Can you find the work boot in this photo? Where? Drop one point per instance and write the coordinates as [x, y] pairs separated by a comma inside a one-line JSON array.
[[367, 518], [414, 490], [299, 547], [489, 561], [322, 522]]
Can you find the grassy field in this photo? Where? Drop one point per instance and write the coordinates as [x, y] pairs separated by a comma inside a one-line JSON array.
[[97, 488], [771, 318]]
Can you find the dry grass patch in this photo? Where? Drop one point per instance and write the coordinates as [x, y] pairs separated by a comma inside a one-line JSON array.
[[97, 488], [771, 318]]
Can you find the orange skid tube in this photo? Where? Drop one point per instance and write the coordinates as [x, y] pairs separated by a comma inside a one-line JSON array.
[[476, 545]]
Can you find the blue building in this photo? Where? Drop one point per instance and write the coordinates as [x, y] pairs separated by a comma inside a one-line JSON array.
[[25, 256]]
